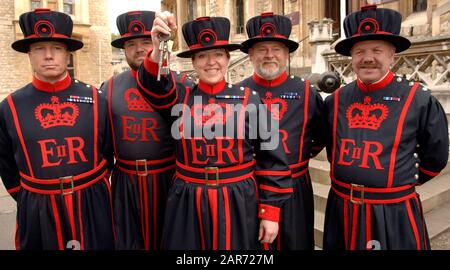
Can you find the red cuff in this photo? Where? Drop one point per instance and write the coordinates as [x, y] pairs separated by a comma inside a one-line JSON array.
[[429, 173], [13, 190], [269, 212], [149, 65]]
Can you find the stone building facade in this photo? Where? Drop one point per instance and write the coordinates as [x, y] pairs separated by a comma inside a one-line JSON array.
[[91, 64]]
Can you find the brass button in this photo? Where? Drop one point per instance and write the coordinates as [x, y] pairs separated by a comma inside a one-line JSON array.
[[263, 211]]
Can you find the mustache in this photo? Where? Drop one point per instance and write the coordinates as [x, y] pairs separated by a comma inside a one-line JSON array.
[[368, 66]]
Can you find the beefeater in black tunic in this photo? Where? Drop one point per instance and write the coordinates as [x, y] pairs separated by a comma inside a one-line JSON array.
[[220, 189], [55, 156], [143, 148], [300, 115], [388, 135]]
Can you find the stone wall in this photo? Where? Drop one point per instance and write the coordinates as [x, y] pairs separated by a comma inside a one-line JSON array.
[[92, 63], [13, 64]]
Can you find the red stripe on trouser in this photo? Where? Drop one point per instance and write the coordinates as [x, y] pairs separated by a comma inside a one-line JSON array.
[[424, 227], [413, 224], [346, 223], [155, 208], [212, 196], [368, 226], [199, 215], [226, 202], [17, 241], [68, 199], [146, 220], [57, 223], [80, 221], [354, 226], [111, 207]]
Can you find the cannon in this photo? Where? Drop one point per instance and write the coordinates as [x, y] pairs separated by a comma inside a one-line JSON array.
[[326, 82]]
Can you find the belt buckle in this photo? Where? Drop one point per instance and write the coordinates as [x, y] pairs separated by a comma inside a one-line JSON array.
[[62, 180], [217, 176], [138, 163], [352, 186]]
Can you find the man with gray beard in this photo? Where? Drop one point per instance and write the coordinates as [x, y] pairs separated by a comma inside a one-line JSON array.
[[298, 110]]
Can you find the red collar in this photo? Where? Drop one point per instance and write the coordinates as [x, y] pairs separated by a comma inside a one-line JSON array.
[[133, 73], [271, 83], [377, 85], [211, 89], [52, 87]]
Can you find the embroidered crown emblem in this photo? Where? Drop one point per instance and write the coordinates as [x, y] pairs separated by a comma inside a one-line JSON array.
[[276, 112], [211, 113], [366, 115], [56, 114], [136, 101]]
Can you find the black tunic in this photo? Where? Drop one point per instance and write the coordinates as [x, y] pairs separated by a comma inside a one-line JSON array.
[[219, 186], [303, 138], [386, 138], [145, 162], [53, 136]]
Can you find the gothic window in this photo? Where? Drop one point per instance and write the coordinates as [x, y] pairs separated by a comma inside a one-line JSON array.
[[35, 4], [419, 5], [239, 16], [69, 6], [192, 10]]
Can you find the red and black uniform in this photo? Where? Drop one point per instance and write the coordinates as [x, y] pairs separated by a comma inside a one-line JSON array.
[[220, 190], [145, 162], [301, 130], [55, 160], [386, 138]]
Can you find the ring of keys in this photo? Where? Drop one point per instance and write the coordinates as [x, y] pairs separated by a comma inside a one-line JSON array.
[[164, 47]]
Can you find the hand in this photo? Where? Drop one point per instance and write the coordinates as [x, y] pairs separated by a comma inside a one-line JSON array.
[[268, 231], [164, 24]]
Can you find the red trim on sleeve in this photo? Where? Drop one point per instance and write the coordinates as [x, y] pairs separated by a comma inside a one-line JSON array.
[[277, 190], [269, 212], [429, 173], [150, 66], [305, 120], [13, 190], [95, 109], [398, 134]]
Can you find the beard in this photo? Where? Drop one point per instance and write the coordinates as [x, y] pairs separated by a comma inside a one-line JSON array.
[[134, 65], [269, 74]]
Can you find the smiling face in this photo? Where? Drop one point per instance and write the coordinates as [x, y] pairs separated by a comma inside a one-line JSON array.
[[135, 51], [269, 59], [211, 65], [371, 60], [49, 60]]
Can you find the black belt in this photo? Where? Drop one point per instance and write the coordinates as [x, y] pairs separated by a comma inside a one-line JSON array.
[[214, 176], [360, 194], [299, 169], [64, 185], [143, 167]]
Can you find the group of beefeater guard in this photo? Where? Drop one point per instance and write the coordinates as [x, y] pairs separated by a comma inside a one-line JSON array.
[[102, 169]]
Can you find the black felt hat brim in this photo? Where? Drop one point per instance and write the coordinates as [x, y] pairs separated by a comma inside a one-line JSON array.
[[290, 44], [23, 45], [120, 42], [345, 46], [228, 47]]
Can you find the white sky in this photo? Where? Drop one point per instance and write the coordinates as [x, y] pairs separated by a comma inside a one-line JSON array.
[[117, 7]]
